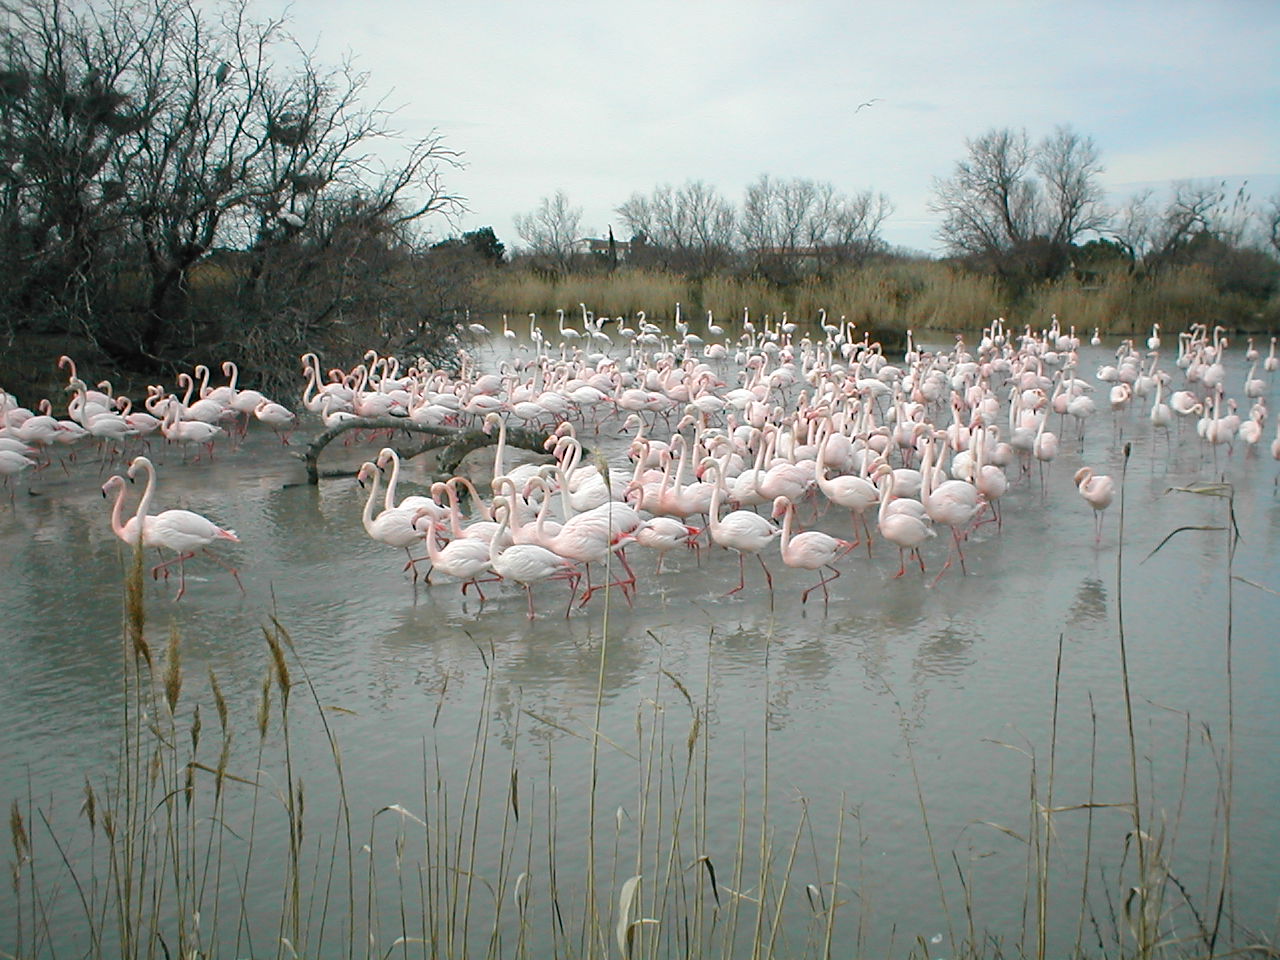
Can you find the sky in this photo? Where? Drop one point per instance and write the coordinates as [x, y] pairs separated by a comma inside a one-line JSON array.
[[603, 100]]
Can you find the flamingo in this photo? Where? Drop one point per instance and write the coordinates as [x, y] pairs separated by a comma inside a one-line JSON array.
[[394, 526], [989, 478], [1275, 450], [741, 530], [953, 503], [187, 432], [464, 558], [857, 494], [901, 527], [664, 534], [276, 416], [13, 464], [590, 537], [809, 550], [388, 455], [1098, 490], [527, 563], [182, 531]]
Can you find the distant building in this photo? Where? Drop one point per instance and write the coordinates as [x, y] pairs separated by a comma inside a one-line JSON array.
[[600, 246]]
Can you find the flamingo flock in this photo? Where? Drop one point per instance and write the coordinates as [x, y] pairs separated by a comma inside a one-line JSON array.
[[737, 442]]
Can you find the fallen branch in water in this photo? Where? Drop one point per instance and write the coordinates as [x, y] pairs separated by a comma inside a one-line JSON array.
[[454, 443]]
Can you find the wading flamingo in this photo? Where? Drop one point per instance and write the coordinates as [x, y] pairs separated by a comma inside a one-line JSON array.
[[182, 531], [809, 550]]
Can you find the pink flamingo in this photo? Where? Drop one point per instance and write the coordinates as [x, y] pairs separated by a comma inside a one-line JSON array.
[[664, 534], [901, 527], [590, 537], [187, 432], [12, 464], [182, 531], [741, 530], [464, 558], [1098, 490], [953, 503], [277, 417], [393, 526], [482, 529], [809, 550], [527, 563], [856, 494]]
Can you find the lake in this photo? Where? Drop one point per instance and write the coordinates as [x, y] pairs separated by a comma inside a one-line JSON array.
[[913, 731]]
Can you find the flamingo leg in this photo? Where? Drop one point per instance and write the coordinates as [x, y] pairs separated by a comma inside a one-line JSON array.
[[226, 566], [742, 576], [412, 563], [182, 574], [955, 535], [902, 564], [857, 534], [822, 582], [767, 575]]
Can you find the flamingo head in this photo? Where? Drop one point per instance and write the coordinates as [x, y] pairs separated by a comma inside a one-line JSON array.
[[139, 463]]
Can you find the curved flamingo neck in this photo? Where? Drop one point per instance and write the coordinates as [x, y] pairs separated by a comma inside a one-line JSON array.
[[504, 524], [367, 516], [502, 446], [455, 510], [117, 525], [144, 505], [478, 503], [539, 523], [788, 515], [389, 501], [433, 546]]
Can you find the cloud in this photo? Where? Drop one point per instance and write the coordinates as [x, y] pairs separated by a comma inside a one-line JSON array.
[[603, 100]]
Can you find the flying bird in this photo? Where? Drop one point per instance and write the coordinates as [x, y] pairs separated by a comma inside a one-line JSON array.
[[873, 100]]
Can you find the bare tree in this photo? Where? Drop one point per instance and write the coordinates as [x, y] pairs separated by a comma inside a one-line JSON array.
[[785, 223], [1193, 210], [1019, 208], [1270, 220], [1069, 168], [141, 135], [551, 230], [690, 228], [989, 202], [1133, 225]]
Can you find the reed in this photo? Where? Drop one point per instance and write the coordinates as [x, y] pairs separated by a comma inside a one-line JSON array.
[[889, 295]]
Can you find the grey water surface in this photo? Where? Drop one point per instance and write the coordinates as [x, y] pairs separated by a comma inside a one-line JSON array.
[[840, 706]]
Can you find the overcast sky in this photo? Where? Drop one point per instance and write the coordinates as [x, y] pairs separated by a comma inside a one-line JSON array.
[[605, 99]]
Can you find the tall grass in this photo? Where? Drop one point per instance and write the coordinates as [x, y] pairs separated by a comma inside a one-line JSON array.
[[885, 296], [880, 297]]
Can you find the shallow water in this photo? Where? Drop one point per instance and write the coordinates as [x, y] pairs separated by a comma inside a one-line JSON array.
[[841, 706]]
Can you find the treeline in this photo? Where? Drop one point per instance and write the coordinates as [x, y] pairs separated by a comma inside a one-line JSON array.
[[1024, 224], [183, 181]]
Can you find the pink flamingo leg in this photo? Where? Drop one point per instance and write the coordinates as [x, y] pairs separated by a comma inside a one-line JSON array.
[[822, 582], [742, 576], [226, 566]]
